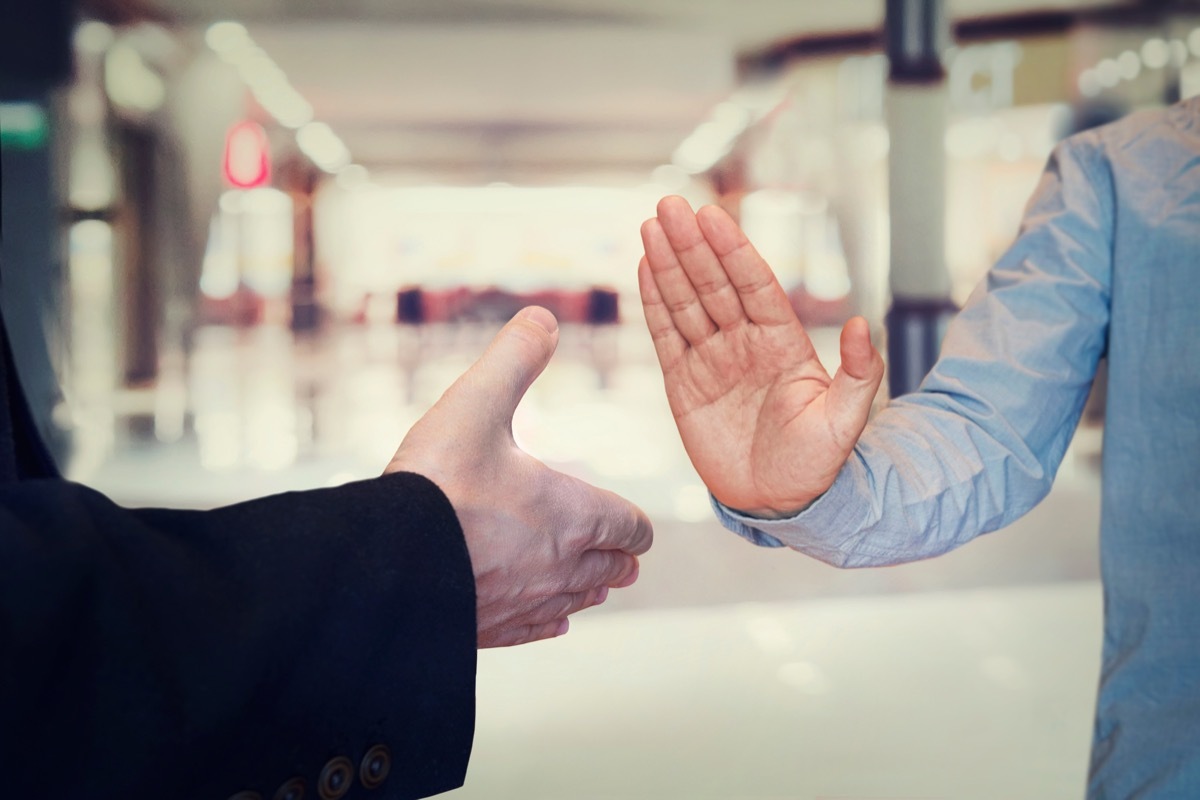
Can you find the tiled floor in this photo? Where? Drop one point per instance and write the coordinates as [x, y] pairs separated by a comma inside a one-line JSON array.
[[727, 670]]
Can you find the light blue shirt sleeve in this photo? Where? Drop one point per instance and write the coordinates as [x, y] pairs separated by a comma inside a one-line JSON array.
[[979, 443]]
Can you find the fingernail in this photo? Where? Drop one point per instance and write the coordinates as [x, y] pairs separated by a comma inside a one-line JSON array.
[[563, 627], [541, 317], [602, 595]]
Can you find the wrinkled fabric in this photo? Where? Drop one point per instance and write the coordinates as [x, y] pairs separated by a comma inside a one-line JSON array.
[[1106, 264]]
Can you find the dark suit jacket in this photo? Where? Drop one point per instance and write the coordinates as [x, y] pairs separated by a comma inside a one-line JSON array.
[[183, 654]]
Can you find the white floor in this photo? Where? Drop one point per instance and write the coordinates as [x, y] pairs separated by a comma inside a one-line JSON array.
[[727, 671], [982, 693]]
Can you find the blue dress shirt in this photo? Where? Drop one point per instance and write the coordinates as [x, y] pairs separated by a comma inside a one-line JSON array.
[[1106, 263]]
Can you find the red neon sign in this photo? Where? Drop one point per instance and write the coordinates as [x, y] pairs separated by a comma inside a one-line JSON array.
[[247, 156]]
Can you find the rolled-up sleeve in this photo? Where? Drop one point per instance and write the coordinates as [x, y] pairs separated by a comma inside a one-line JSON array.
[[979, 443]]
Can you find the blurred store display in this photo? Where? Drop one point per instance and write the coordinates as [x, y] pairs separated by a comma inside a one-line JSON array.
[[246, 182]]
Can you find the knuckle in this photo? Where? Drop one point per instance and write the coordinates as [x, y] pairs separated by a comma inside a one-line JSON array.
[[646, 532], [563, 605], [605, 520], [631, 528], [601, 566], [622, 566], [711, 284], [529, 633], [581, 532], [623, 569], [679, 305], [547, 631]]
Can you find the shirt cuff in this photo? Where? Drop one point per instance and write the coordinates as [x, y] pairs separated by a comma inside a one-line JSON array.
[[826, 530]]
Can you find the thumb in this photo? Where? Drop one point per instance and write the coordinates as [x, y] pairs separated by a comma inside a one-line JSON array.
[[495, 383], [857, 380]]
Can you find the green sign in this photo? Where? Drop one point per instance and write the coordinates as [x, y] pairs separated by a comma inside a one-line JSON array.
[[23, 126]]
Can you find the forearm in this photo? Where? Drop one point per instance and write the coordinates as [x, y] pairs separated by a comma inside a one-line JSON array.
[[980, 443], [920, 483], [235, 648]]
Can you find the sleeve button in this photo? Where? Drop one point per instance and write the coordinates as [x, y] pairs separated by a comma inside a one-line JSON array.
[[292, 790], [335, 779], [375, 766]]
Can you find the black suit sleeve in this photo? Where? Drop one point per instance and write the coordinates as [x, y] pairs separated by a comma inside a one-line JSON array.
[[196, 654]]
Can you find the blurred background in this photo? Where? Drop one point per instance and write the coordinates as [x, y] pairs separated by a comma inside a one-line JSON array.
[[246, 244]]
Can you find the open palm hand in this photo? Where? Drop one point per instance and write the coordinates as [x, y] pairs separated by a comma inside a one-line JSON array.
[[765, 426]]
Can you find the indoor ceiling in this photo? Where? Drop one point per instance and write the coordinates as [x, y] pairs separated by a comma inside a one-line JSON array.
[[504, 88], [747, 24]]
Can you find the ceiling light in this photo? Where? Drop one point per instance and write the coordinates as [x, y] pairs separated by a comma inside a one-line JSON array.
[[94, 37], [227, 37], [1108, 73], [1179, 53], [1155, 53], [1089, 83], [130, 83], [318, 141], [1129, 65]]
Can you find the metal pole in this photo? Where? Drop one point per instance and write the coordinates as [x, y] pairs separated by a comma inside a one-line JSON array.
[[918, 32]]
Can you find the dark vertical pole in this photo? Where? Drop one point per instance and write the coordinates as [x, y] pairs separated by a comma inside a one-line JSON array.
[[299, 180], [918, 32], [31, 258], [141, 306], [35, 61]]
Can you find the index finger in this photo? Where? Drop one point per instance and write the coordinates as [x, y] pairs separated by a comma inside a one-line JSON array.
[[617, 524]]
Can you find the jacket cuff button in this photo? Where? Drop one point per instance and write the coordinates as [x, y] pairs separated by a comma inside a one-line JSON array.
[[292, 790], [335, 779], [375, 766]]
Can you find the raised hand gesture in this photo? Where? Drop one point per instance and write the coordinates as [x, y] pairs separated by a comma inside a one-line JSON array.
[[765, 426]]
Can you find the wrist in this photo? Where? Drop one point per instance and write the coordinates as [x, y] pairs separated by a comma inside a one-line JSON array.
[[771, 510]]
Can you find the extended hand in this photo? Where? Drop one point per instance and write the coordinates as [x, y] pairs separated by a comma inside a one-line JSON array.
[[543, 545], [764, 425]]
